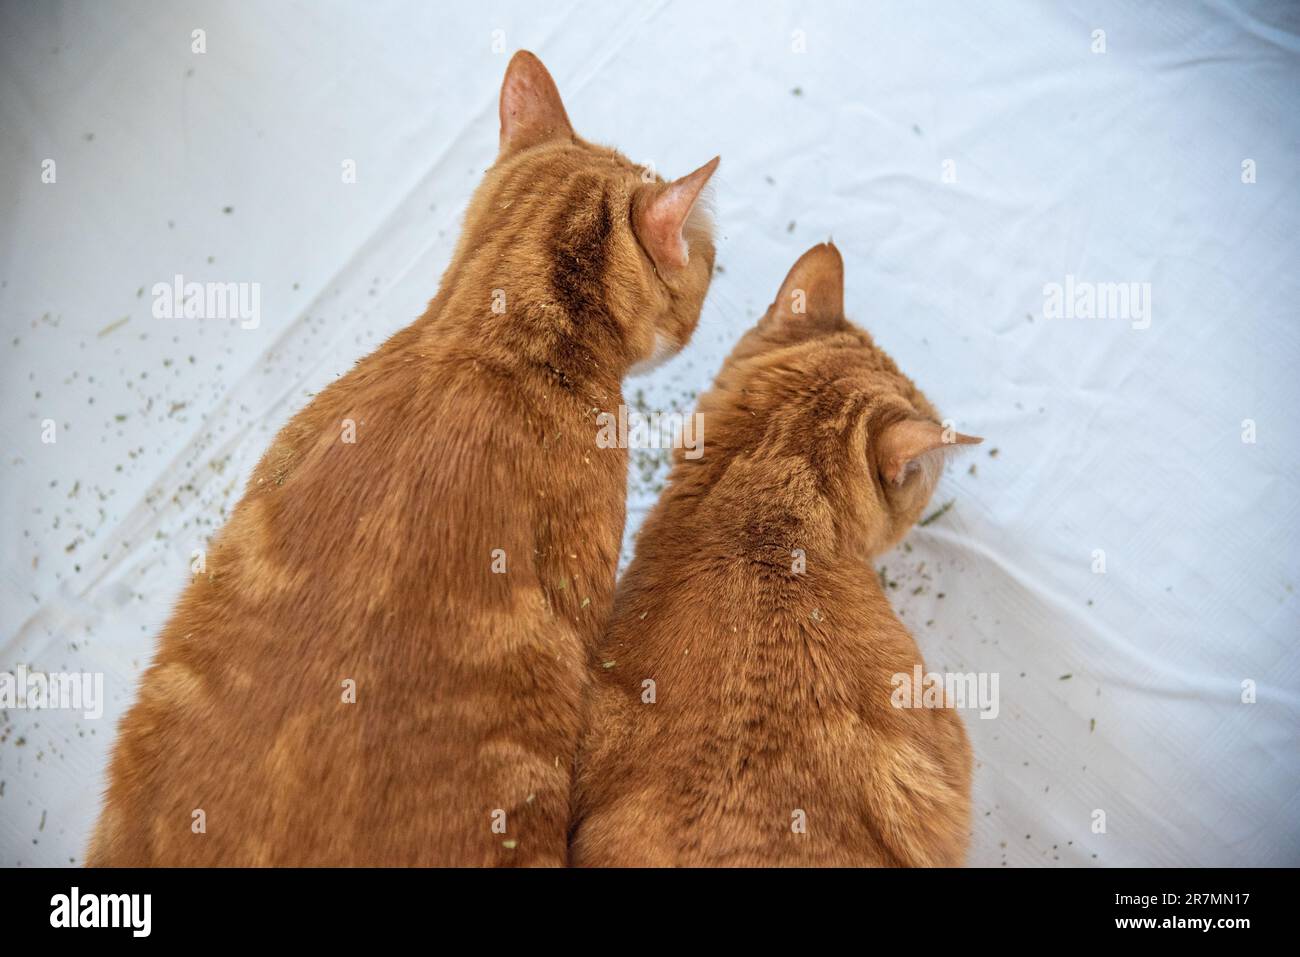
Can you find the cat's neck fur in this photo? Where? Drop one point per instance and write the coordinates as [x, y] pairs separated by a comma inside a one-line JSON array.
[[532, 268]]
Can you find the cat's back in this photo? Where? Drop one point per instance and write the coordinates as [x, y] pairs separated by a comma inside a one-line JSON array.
[[339, 664], [766, 734]]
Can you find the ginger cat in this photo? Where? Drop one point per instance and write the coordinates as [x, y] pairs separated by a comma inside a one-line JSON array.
[[386, 662], [768, 736]]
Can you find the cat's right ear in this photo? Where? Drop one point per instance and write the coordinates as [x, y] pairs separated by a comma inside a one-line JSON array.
[[531, 109], [814, 288], [661, 213], [904, 446]]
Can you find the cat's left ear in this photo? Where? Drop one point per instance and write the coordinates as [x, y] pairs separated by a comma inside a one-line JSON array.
[[813, 290], [660, 213], [531, 109], [905, 446]]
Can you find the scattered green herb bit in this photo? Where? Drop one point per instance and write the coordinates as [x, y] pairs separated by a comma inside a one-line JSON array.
[[113, 325], [1065, 677], [935, 516]]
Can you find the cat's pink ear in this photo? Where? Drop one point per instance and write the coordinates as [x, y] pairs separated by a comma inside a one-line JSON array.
[[531, 109], [660, 214], [814, 287], [904, 446]]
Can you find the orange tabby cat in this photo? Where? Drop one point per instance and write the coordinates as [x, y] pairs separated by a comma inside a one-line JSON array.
[[385, 663], [742, 711]]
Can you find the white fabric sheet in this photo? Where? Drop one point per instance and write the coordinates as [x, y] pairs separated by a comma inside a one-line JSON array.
[[961, 155]]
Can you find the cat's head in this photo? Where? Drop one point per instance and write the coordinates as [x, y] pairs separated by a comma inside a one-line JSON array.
[[615, 260], [814, 408]]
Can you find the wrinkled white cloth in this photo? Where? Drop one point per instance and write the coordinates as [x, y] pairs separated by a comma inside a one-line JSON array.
[[963, 157]]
